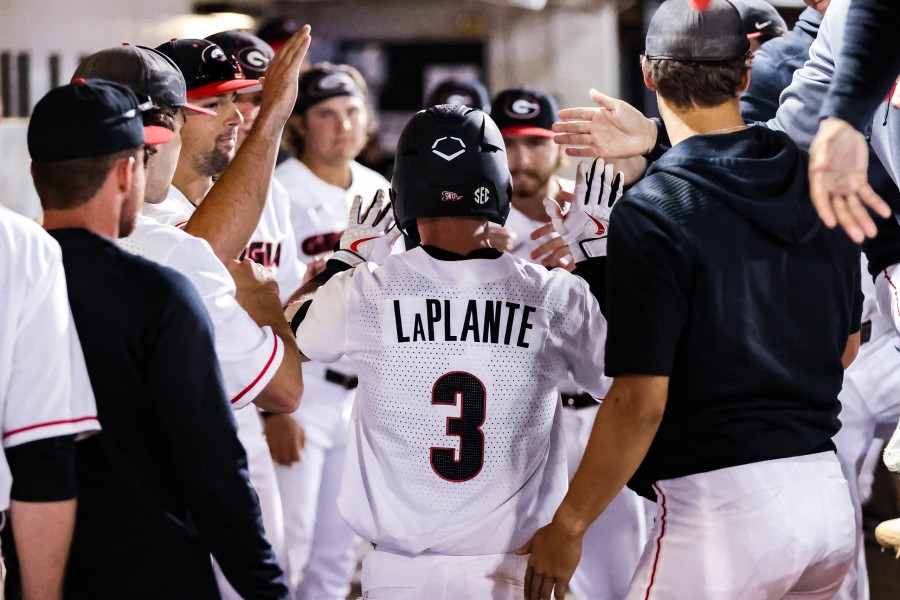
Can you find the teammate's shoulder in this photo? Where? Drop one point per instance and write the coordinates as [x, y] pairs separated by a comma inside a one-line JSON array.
[[292, 172], [158, 242], [371, 177], [27, 251], [18, 233]]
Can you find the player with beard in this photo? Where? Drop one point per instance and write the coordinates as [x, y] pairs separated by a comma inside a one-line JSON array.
[[272, 243], [524, 116], [164, 484], [613, 544], [326, 131], [208, 144]]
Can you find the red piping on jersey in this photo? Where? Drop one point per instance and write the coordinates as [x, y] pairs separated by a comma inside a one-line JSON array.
[[47, 424], [261, 373], [181, 224], [894, 287], [662, 532]]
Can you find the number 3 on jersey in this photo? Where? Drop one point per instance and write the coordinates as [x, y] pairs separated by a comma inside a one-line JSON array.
[[467, 391]]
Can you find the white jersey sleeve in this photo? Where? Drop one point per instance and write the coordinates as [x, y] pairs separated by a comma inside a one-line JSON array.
[[323, 334], [248, 355], [44, 386], [583, 341]]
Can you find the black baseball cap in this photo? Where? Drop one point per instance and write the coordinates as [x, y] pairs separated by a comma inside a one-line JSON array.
[[467, 92], [524, 111], [679, 32], [252, 53], [87, 118], [761, 20], [144, 71], [323, 82], [207, 70]]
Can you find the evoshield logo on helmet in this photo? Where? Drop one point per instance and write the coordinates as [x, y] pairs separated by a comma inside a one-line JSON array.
[[482, 195], [452, 144], [254, 58], [335, 81], [523, 109]]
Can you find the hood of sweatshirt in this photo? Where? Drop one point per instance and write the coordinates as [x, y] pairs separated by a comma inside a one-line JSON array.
[[759, 173]]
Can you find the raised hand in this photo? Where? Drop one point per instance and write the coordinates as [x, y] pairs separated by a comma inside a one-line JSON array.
[[838, 180], [280, 85], [612, 129], [371, 232], [585, 226]]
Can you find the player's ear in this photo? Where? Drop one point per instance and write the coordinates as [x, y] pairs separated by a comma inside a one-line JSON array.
[[123, 171], [645, 70]]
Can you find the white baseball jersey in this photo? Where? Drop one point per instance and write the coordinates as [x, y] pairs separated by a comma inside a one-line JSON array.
[[319, 214], [455, 445], [44, 386], [318, 209], [248, 355], [272, 244]]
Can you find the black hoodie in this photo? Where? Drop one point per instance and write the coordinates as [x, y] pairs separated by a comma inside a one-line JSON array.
[[721, 277]]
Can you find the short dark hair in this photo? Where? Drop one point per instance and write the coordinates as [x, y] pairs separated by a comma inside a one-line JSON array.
[[66, 184], [158, 116], [689, 84], [161, 116]]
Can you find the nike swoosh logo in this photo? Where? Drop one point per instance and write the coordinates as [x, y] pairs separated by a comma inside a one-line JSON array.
[[763, 25], [354, 247], [600, 228]]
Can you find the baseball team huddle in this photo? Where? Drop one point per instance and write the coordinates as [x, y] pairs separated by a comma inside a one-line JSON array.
[[234, 361]]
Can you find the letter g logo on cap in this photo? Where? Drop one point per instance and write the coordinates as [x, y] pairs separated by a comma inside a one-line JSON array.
[[523, 108]]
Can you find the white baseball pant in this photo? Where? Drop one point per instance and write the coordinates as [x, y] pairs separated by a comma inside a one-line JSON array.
[[774, 529], [870, 408], [389, 576], [613, 543], [321, 548]]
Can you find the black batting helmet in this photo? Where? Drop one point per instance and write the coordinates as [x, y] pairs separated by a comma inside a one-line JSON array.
[[451, 162]]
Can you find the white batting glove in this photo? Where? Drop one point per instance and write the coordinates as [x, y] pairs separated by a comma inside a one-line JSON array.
[[585, 226], [370, 233]]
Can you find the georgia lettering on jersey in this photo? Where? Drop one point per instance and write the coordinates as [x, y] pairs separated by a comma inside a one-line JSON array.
[[410, 320], [267, 254]]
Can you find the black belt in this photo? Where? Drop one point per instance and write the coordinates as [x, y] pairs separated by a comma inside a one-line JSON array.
[[865, 332], [346, 381], [576, 401]]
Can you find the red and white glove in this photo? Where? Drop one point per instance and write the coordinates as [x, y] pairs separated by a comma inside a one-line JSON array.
[[370, 233], [585, 225]]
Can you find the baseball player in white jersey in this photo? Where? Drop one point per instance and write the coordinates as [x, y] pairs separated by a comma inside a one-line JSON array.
[[613, 544], [208, 145], [327, 130], [249, 344], [457, 451], [41, 415]]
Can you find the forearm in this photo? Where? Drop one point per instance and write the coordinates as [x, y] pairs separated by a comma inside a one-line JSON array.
[[869, 62], [623, 430], [231, 210], [43, 535]]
